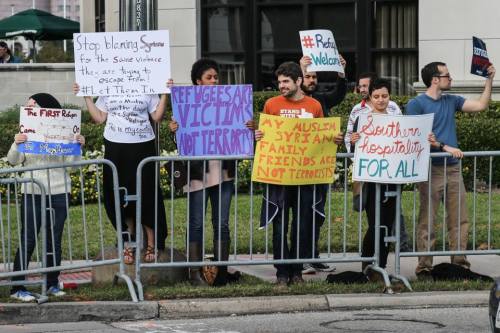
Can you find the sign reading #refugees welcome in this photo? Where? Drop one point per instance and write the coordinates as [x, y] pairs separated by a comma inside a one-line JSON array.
[[122, 63], [212, 120], [392, 149], [320, 46], [50, 131], [296, 151]]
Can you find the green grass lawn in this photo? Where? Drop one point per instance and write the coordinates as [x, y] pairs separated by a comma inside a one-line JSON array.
[[85, 234]]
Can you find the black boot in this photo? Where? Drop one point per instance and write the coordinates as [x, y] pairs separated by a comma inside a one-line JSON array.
[[221, 278], [195, 272]]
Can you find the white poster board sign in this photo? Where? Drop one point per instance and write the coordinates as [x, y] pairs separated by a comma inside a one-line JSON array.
[[320, 46], [50, 131], [392, 149], [122, 63]]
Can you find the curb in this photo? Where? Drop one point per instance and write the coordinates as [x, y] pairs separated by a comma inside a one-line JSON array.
[[13, 313], [16, 313]]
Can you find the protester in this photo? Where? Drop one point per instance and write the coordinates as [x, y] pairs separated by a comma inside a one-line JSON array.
[[6, 56], [278, 200], [327, 99], [57, 183], [445, 173], [215, 183], [128, 139], [379, 93]]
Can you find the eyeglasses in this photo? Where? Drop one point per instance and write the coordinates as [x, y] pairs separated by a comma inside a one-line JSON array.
[[448, 76]]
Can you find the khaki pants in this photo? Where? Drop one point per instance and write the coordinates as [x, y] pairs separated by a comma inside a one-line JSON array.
[[456, 214]]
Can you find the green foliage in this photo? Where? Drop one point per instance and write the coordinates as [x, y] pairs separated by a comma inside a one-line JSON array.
[[53, 51]]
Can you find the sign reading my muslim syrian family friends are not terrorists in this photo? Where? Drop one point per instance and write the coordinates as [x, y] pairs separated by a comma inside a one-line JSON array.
[[320, 46], [296, 151], [122, 63], [49, 131], [212, 120], [392, 149]]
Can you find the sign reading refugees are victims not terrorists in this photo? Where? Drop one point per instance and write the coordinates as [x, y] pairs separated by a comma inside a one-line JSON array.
[[212, 120], [296, 151]]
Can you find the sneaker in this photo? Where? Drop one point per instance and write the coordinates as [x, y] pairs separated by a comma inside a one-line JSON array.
[[320, 267], [281, 283], [23, 296], [296, 279], [54, 291], [308, 269]]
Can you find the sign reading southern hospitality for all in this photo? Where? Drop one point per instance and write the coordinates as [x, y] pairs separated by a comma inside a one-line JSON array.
[[122, 63], [50, 131], [212, 120], [320, 46], [392, 149], [296, 151]]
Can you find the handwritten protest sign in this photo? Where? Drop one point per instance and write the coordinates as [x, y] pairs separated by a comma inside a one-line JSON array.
[[50, 131], [212, 120], [320, 46], [122, 63], [392, 149], [480, 61], [296, 151]]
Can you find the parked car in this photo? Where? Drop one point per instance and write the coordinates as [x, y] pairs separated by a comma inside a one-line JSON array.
[[494, 308]]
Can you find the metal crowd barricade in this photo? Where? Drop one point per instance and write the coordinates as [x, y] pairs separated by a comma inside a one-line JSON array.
[[440, 223], [86, 234], [257, 242]]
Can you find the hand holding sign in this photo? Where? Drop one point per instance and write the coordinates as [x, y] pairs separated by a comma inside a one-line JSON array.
[[320, 46]]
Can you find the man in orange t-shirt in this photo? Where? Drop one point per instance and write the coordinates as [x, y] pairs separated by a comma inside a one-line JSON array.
[[278, 199]]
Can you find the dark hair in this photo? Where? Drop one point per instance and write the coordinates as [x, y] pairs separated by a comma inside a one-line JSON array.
[[379, 84], [289, 69], [200, 66], [429, 71], [45, 100], [368, 75], [4, 44]]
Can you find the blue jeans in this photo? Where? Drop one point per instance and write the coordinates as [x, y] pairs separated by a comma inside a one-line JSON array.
[[30, 218], [196, 213]]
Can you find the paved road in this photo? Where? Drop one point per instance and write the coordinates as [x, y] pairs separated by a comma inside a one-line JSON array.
[[440, 320]]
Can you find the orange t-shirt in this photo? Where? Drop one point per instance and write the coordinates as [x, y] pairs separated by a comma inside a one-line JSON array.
[[306, 107]]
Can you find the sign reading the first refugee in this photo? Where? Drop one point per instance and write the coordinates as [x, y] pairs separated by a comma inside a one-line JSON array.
[[50, 131], [296, 151], [212, 120], [392, 149], [320, 46], [122, 63]]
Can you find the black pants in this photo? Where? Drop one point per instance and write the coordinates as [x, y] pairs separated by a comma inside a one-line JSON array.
[[300, 200], [126, 157], [31, 223], [387, 216]]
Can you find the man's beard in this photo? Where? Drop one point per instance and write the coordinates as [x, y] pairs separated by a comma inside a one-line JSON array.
[[309, 89], [289, 93]]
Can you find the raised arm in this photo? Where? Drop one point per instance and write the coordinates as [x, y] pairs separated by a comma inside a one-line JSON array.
[[476, 105]]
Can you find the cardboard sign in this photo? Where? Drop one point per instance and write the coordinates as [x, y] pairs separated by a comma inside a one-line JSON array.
[[320, 46], [212, 120], [50, 131], [480, 61], [296, 151], [122, 63], [392, 149]]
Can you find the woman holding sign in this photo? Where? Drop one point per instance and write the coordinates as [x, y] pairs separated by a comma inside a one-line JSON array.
[[212, 180], [379, 93], [128, 139], [58, 186]]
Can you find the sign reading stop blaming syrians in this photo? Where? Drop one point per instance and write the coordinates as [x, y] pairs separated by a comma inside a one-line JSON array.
[[320, 46], [296, 151], [392, 149], [122, 63]]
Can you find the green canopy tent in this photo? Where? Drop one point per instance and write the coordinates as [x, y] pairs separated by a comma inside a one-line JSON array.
[[36, 25]]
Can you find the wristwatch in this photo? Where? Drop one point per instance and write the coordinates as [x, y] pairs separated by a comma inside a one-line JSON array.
[[441, 146]]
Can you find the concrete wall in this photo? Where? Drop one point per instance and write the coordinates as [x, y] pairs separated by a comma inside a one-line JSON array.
[[23, 80], [445, 34]]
